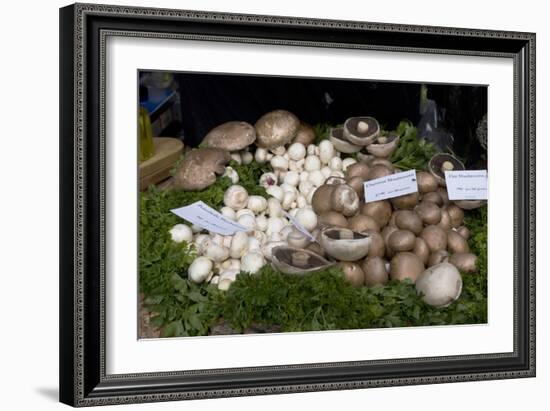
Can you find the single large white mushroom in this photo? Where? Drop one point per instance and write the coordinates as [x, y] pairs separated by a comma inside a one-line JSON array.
[[200, 269]]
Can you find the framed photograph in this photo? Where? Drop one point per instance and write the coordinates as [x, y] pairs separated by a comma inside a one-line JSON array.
[[262, 204]]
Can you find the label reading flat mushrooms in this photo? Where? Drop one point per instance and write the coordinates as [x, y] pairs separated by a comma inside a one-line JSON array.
[[391, 186], [206, 217], [466, 184]]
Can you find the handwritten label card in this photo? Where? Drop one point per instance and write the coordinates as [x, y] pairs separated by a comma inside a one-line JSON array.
[[299, 226], [206, 217], [394, 185], [467, 184]]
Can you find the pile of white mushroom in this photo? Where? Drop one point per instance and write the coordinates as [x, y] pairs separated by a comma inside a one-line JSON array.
[[322, 190]]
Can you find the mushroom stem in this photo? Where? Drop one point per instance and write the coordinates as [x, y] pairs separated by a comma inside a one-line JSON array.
[[346, 235], [362, 127], [447, 166]]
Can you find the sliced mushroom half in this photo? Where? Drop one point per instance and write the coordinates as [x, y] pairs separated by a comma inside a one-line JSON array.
[[384, 146], [290, 260], [340, 144], [442, 162], [344, 244], [361, 131]]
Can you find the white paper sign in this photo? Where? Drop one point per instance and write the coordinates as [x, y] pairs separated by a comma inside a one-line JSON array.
[[299, 226], [394, 185], [466, 184], [206, 217]]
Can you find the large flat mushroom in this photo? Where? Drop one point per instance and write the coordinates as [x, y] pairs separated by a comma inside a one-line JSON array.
[[230, 136], [442, 162], [200, 167], [361, 131], [276, 128]]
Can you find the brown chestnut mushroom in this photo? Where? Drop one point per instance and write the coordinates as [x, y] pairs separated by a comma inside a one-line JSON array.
[[430, 213], [375, 271], [358, 170], [456, 214], [427, 183], [456, 243], [199, 168], [465, 262], [422, 250], [381, 211], [463, 231], [332, 219], [230, 136], [357, 183], [438, 257], [378, 171], [401, 240], [361, 223], [377, 246], [276, 128], [435, 237], [344, 200], [361, 131], [445, 222], [353, 273], [408, 220], [321, 199], [406, 265], [305, 134], [433, 197], [406, 202]]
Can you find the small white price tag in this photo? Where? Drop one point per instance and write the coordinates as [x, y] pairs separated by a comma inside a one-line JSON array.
[[299, 226], [206, 217], [394, 185], [467, 184]]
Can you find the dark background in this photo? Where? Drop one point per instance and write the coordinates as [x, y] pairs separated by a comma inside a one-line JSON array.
[[208, 100]]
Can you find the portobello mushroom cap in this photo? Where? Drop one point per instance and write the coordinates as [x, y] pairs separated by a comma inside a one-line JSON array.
[[442, 162], [361, 131], [276, 128], [337, 139], [384, 146], [199, 168], [230, 136], [290, 260], [344, 244], [406, 265]]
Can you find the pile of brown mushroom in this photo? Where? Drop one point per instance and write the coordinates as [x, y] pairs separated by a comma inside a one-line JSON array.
[[323, 190]]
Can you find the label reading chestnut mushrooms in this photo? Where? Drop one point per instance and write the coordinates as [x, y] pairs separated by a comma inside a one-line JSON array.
[[466, 184], [206, 217], [394, 185]]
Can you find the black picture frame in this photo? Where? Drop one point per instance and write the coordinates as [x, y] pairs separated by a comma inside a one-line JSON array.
[[83, 29]]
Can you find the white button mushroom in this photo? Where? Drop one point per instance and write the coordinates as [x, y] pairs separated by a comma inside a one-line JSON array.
[[246, 157], [317, 178], [260, 236], [312, 163], [276, 192], [235, 197], [252, 262], [326, 151], [181, 233], [292, 178], [261, 223], [312, 150], [285, 231], [228, 212], [307, 218], [260, 155], [301, 201], [288, 199], [279, 163], [335, 164], [196, 228], [326, 170], [274, 208], [237, 158], [229, 274], [304, 187], [202, 242], [200, 269], [244, 211], [304, 175], [346, 162], [254, 244], [217, 239], [268, 179], [337, 174], [248, 221], [274, 225], [257, 204], [278, 151], [231, 174], [239, 244], [296, 151], [217, 253]]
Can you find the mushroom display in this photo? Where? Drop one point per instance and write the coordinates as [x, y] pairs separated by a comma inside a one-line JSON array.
[[200, 168]]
